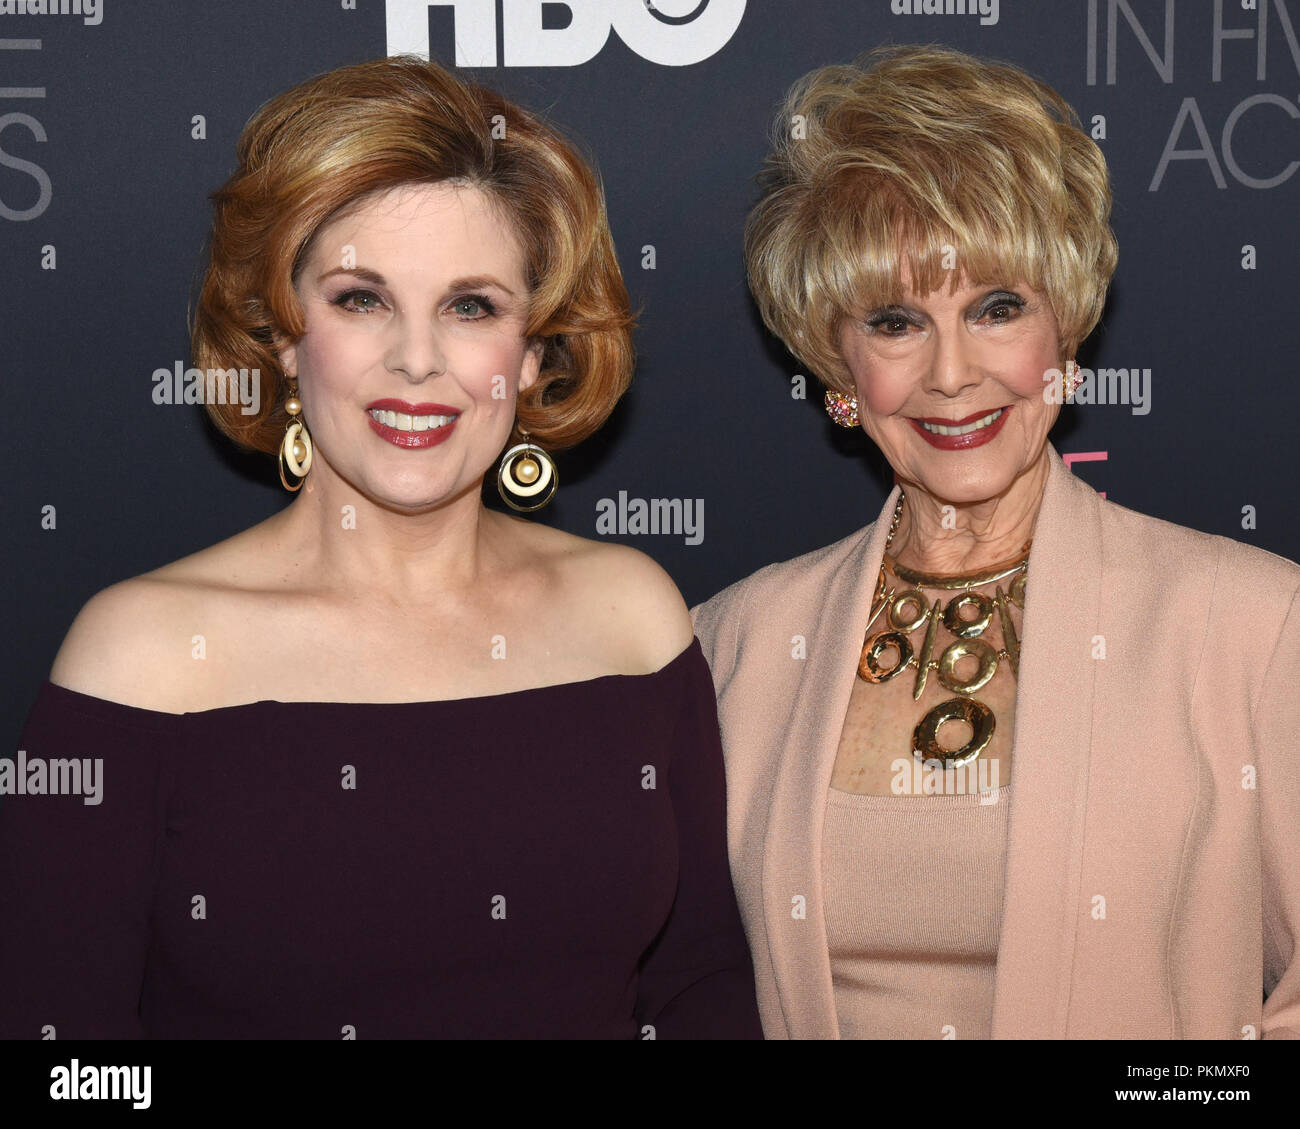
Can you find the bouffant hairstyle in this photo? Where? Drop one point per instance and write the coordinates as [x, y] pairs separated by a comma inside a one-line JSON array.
[[328, 144], [920, 152]]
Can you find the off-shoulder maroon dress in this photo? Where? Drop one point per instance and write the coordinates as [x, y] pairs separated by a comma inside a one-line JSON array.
[[547, 864]]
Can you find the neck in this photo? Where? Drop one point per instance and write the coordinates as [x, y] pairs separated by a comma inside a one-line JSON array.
[[394, 556], [941, 536]]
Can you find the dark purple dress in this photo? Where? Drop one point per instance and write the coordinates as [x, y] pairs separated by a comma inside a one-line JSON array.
[[543, 864]]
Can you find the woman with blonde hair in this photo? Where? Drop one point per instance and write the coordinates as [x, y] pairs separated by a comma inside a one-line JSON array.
[[932, 240], [388, 764]]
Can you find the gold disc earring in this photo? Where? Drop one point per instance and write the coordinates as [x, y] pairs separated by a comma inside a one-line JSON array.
[[527, 476], [295, 447]]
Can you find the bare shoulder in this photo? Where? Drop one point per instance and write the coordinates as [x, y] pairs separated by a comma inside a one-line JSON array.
[[622, 595], [132, 642], [122, 643]]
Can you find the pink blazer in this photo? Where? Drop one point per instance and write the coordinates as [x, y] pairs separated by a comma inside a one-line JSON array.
[[1164, 777]]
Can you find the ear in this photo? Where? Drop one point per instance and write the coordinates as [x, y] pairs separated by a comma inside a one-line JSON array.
[[532, 366], [288, 354]]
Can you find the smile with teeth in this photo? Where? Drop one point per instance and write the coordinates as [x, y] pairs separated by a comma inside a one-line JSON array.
[[401, 422], [966, 428]]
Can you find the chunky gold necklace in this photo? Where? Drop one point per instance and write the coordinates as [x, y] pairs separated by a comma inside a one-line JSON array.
[[907, 610]]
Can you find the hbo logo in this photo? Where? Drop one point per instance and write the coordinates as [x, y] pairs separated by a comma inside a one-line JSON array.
[[674, 33]]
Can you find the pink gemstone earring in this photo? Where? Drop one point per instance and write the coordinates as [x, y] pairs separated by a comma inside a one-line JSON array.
[[1070, 380], [842, 409]]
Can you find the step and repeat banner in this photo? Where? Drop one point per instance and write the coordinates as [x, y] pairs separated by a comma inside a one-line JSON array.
[[119, 117]]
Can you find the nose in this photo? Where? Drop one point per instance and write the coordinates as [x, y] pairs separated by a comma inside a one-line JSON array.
[[414, 350], [952, 369]]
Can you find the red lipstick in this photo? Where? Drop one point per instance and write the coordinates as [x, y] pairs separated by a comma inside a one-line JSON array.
[[412, 440], [965, 442]]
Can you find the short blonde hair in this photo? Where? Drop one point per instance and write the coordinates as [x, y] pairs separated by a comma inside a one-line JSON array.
[[327, 145], [907, 151]]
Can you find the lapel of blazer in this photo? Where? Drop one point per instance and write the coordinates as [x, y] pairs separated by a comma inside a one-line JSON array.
[[835, 603], [1050, 749], [1042, 899]]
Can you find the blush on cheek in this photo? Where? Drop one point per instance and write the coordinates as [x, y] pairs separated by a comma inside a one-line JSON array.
[[496, 375], [880, 405], [1027, 381], [883, 389], [326, 360]]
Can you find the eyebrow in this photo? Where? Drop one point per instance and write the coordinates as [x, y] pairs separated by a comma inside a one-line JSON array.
[[469, 282]]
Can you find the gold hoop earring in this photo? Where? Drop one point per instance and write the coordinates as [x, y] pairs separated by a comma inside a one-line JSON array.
[[295, 446], [527, 476], [842, 409]]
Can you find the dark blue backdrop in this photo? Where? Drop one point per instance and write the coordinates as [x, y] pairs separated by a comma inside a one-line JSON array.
[[103, 214]]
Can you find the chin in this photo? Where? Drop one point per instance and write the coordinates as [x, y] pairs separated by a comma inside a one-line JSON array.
[[963, 488], [966, 477], [413, 494]]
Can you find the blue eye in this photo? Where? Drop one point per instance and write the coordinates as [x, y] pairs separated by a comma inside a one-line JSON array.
[[472, 307]]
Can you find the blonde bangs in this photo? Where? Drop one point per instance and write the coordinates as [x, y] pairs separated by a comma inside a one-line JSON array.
[[934, 162]]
